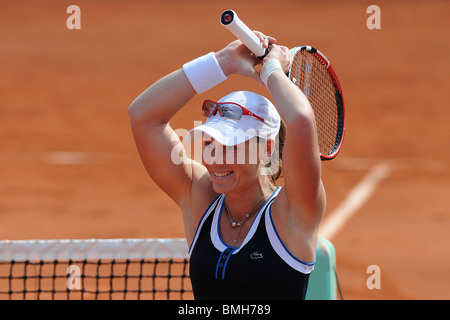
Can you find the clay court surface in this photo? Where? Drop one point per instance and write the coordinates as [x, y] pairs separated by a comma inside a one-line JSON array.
[[69, 167]]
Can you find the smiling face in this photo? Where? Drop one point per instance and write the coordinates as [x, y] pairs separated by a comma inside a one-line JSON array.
[[233, 168]]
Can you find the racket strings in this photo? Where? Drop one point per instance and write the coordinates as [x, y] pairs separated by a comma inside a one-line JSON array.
[[310, 75]]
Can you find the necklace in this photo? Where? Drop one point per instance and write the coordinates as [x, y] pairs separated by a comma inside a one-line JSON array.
[[239, 224]]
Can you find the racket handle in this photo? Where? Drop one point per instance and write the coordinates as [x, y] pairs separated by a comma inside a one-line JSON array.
[[231, 21]]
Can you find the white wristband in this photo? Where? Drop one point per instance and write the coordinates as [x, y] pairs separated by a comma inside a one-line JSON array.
[[204, 72], [268, 68]]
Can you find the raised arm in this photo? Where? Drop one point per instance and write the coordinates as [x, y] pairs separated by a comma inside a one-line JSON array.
[[301, 160], [155, 139]]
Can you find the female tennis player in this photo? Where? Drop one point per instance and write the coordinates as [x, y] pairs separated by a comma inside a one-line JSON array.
[[249, 238]]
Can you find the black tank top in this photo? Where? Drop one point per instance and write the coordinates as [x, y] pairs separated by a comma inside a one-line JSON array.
[[261, 268]]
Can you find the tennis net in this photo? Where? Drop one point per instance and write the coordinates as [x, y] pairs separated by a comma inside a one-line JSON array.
[[100, 269]]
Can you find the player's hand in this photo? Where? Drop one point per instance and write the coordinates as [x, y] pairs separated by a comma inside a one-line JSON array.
[[282, 54], [237, 59], [265, 40]]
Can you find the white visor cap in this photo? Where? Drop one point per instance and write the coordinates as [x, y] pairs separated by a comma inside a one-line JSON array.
[[230, 132]]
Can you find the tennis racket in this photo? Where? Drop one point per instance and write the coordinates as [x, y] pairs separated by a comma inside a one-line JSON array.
[[313, 74]]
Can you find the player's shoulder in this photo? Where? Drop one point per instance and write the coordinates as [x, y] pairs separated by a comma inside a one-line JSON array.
[[285, 214]]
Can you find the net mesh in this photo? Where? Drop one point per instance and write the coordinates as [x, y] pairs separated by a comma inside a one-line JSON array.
[[115, 269], [317, 84]]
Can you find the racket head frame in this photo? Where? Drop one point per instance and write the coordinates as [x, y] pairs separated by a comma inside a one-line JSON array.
[[339, 138]]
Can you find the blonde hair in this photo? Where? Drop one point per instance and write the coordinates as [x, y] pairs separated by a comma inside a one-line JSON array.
[[277, 155]]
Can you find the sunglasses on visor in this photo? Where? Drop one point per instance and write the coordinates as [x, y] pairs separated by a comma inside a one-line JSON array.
[[229, 110]]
